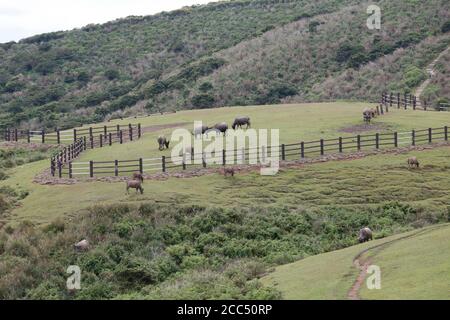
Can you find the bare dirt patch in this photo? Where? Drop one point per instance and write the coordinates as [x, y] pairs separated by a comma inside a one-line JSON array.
[[164, 126], [359, 128]]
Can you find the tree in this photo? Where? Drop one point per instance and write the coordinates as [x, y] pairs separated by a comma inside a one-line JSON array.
[[203, 100]]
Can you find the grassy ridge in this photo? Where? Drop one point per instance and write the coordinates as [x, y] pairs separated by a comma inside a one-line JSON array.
[[411, 268]]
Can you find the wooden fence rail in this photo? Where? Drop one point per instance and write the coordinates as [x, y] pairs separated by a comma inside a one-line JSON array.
[[287, 152], [405, 101], [128, 132]]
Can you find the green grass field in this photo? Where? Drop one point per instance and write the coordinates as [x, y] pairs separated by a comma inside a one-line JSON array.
[[415, 267], [366, 181], [298, 122]]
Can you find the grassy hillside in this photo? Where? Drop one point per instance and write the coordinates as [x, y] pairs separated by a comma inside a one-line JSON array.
[[412, 267], [208, 237], [344, 183], [228, 53]]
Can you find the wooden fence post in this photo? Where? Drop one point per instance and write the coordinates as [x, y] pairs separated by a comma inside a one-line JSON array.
[[90, 131], [224, 154], [413, 137], [163, 162], [91, 138], [302, 149], [43, 136], [74, 134], [59, 169], [446, 133], [28, 136], [91, 169], [283, 152], [358, 142], [425, 105], [105, 130], [121, 136], [131, 133], [70, 170], [141, 166], [395, 139], [430, 135], [406, 100], [101, 140], [378, 110], [340, 145], [322, 148], [398, 100], [116, 167], [381, 109], [414, 102], [118, 129], [84, 143], [110, 138], [139, 130], [377, 140], [391, 100]]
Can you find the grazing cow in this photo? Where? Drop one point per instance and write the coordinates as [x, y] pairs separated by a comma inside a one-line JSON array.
[[367, 115], [199, 131], [221, 127], [228, 171], [413, 162], [373, 112], [365, 234], [135, 184], [138, 176], [163, 143], [83, 245], [239, 122]]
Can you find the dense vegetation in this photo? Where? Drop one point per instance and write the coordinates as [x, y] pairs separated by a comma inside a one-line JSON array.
[[10, 157], [186, 252], [227, 53]]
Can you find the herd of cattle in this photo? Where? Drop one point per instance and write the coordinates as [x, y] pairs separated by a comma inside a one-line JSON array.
[[218, 128], [365, 234]]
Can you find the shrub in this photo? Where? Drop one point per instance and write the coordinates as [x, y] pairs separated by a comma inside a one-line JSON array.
[[445, 27], [203, 101]]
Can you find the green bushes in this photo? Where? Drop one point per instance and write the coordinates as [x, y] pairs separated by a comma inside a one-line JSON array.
[[413, 77], [207, 252], [445, 27]]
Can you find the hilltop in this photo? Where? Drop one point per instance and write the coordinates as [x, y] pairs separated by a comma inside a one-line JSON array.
[[222, 54]]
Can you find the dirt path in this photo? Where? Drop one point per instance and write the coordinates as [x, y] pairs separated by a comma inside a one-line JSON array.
[[430, 73], [363, 264], [45, 178]]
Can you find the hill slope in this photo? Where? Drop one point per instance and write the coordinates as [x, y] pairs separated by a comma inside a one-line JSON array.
[[412, 267], [227, 53]]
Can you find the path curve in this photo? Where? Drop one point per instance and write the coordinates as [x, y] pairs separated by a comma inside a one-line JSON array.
[[430, 73], [363, 265]]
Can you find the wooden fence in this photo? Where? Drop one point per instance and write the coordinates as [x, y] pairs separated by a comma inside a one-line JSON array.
[[98, 135], [405, 101], [287, 152]]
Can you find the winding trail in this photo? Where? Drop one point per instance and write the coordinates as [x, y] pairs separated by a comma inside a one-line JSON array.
[[363, 264], [430, 72]]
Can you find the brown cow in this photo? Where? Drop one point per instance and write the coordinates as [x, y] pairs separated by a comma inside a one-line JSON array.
[[365, 234], [138, 176], [413, 162], [135, 184], [228, 171]]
